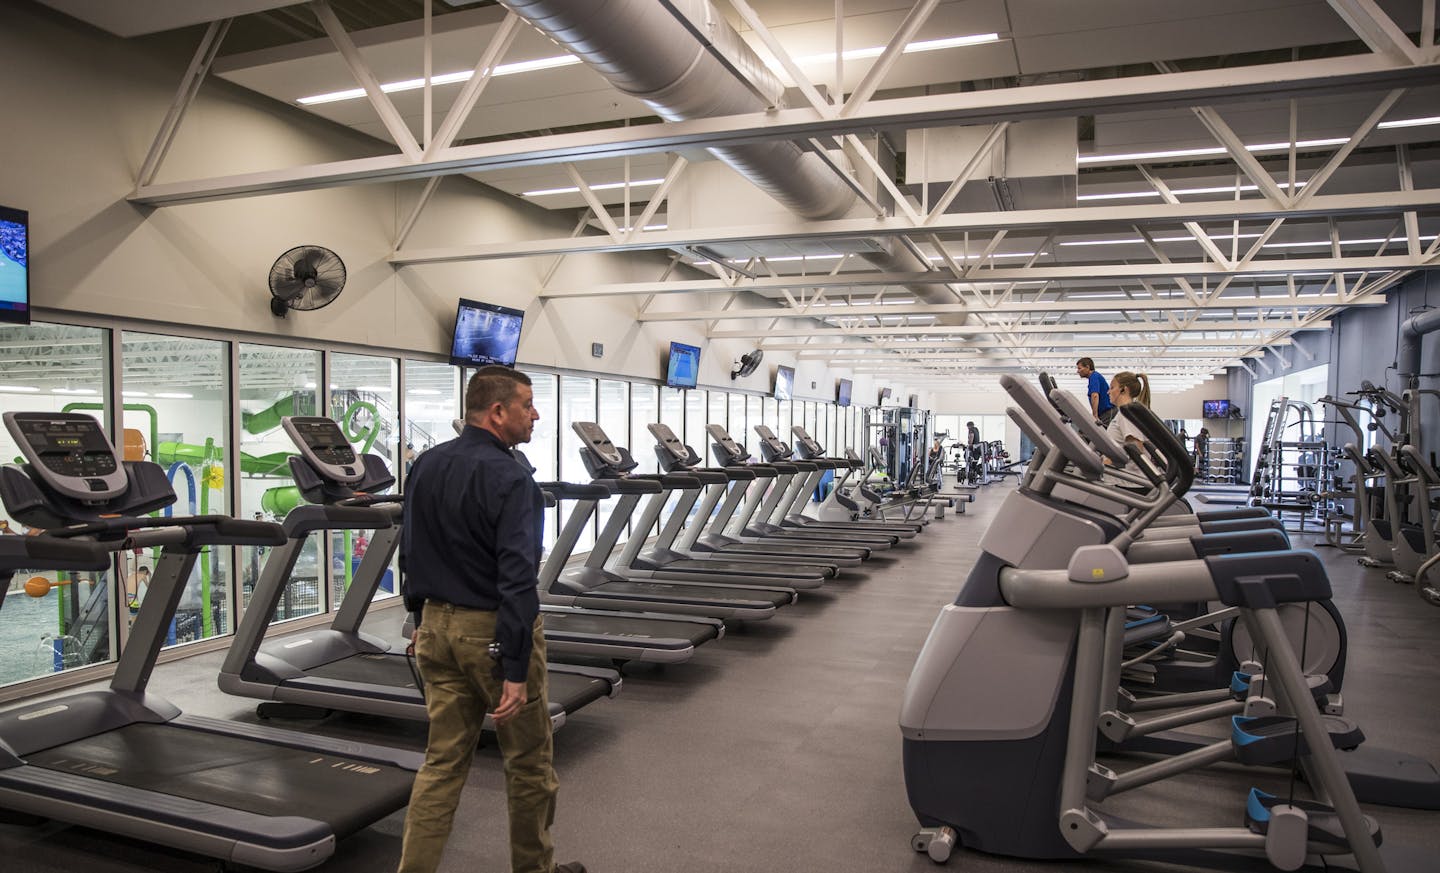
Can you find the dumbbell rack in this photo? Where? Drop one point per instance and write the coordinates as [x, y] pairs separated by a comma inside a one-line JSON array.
[[1220, 460]]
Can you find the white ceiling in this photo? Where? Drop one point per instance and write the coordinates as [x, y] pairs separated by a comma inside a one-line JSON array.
[[1041, 42]]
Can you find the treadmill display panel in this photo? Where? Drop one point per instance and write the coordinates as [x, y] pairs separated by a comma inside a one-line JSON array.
[[668, 440], [323, 444], [70, 452]]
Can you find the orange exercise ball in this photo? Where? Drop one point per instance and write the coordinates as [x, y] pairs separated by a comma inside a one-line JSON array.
[[38, 586]]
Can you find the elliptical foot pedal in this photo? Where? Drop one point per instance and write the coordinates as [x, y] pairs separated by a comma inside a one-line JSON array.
[[1275, 739], [1323, 832]]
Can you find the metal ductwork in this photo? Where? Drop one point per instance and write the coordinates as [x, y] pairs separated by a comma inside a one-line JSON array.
[[684, 60], [1414, 328]]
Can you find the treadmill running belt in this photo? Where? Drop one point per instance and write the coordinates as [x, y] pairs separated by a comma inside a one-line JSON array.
[[638, 631], [238, 773]]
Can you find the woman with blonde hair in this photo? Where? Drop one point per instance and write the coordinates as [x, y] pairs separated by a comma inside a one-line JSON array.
[[1126, 388]]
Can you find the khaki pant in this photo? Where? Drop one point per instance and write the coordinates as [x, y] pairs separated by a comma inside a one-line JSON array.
[[451, 648]]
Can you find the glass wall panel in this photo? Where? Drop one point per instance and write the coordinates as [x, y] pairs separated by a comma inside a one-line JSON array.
[[52, 621], [719, 414], [672, 411], [275, 382], [363, 394], [738, 414], [432, 403], [177, 412], [696, 412], [542, 450], [615, 419], [644, 411], [577, 403], [754, 414]]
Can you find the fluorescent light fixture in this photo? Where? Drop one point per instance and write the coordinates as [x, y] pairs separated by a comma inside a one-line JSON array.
[[374, 389], [603, 186], [442, 79], [310, 385], [646, 227], [928, 45], [1229, 236], [174, 395], [1409, 122], [424, 392], [1139, 195], [128, 393], [73, 391], [20, 389], [1207, 152]]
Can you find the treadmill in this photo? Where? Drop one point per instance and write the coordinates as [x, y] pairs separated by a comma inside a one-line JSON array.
[[125, 761], [340, 666], [750, 522], [660, 561], [619, 636], [595, 585], [789, 511], [704, 536]]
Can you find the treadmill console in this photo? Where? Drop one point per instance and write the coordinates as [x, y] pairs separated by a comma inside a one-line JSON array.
[[70, 452], [772, 442], [594, 439], [812, 448], [669, 441], [726, 444], [323, 445]]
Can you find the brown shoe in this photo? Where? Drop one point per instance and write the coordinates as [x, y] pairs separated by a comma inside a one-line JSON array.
[[572, 867]]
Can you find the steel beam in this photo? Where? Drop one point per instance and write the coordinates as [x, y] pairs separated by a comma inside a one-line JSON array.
[[1117, 272], [389, 115], [960, 330], [190, 83], [913, 21], [1014, 306], [1376, 30], [1298, 79], [1322, 206], [858, 346]]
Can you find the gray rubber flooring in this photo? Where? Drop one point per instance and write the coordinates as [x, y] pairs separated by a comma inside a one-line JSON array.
[[777, 748]]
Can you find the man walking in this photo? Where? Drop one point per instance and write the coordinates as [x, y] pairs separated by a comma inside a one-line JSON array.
[[1099, 390], [471, 551]]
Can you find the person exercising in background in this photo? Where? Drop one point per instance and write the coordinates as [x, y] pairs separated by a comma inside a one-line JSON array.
[[471, 553], [1099, 390]]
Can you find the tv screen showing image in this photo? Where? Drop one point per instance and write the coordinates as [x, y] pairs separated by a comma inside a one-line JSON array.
[[842, 392], [884, 393], [1217, 408], [14, 265], [485, 334], [784, 383], [683, 368]]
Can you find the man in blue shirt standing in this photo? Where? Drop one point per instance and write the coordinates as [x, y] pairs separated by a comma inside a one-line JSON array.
[[471, 549], [1098, 389]]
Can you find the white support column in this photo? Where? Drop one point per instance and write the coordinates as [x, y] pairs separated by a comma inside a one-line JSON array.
[[484, 71], [1376, 30], [1318, 180], [596, 206], [802, 81], [1194, 228], [996, 134], [914, 19], [189, 86], [1238, 153], [677, 167], [1407, 183], [389, 115]]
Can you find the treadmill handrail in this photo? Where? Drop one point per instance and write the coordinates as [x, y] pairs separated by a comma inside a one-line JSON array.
[[192, 530], [335, 516], [597, 490], [51, 553], [631, 485]]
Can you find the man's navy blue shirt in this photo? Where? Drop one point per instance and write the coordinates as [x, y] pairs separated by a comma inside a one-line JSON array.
[[474, 520]]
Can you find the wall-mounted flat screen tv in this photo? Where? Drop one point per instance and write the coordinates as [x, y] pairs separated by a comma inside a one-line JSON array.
[[884, 393], [14, 265], [784, 383], [682, 370], [485, 334], [842, 392], [1216, 408]]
